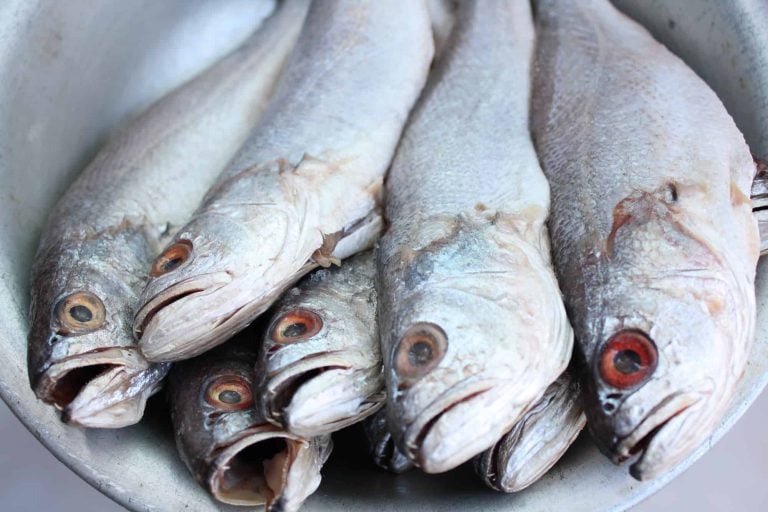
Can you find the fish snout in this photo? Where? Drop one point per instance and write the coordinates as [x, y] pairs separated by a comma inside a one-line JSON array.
[[324, 399], [179, 321], [466, 420], [634, 429]]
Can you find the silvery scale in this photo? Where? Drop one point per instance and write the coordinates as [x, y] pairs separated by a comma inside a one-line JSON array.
[[71, 71]]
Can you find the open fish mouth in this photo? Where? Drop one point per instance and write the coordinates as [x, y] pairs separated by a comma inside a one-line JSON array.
[[655, 425], [116, 398], [321, 395], [286, 405], [466, 420], [252, 470], [169, 326], [64, 380]]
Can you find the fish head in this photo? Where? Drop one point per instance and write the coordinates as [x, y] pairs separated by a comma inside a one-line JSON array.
[[80, 338], [224, 440], [224, 268], [667, 339], [475, 339], [321, 360]]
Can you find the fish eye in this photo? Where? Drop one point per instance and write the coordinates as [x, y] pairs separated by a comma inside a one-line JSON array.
[[229, 393], [420, 350], [296, 325], [628, 359], [79, 313], [172, 258]]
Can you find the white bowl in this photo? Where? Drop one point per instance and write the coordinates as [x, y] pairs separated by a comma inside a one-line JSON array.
[[69, 71]]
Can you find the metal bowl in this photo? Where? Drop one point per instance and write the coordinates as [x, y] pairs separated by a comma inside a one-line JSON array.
[[69, 71]]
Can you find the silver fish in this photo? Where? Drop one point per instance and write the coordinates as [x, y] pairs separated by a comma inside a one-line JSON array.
[[226, 443], [473, 328], [381, 445], [652, 230], [537, 441], [113, 221], [304, 189], [320, 362]]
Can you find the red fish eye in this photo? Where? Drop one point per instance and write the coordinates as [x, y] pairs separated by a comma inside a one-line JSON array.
[[229, 393], [628, 359], [296, 325], [172, 258], [420, 350]]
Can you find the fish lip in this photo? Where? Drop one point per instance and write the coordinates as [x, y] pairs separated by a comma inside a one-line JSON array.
[[643, 433], [419, 431], [161, 338], [115, 400], [202, 283], [286, 378], [49, 379], [225, 454]]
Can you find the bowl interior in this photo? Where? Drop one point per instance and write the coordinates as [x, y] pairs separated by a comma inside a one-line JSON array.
[[71, 71]]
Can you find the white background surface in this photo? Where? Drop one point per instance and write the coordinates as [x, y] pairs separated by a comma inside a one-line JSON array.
[[733, 476]]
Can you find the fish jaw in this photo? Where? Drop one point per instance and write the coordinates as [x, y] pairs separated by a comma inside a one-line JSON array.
[[65, 379], [116, 398], [178, 323], [264, 466], [321, 394], [668, 434], [465, 421], [537, 441]]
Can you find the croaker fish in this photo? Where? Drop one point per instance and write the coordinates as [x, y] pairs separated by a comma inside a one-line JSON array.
[[320, 362], [104, 233], [653, 236], [473, 328], [381, 445], [537, 441], [304, 189], [226, 443]]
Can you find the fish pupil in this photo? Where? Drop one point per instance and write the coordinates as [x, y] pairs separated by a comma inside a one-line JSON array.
[[627, 361], [230, 396], [81, 313], [172, 264], [295, 330], [420, 353]]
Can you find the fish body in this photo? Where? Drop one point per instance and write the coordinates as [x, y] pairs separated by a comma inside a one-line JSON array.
[[537, 441], [320, 362], [227, 444], [653, 239], [304, 189], [381, 445], [473, 328], [113, 221]]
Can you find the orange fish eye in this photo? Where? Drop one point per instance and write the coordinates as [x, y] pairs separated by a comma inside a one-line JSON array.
[[229, 393], [80, 313], [420, 350], [628, 359], [296, 325], [172, 258]]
